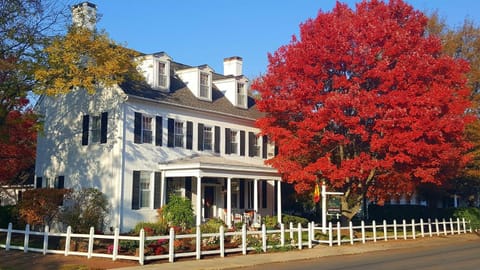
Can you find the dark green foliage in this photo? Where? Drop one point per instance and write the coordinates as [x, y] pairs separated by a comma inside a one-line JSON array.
[[151, 228], [270, 222], [286, 219], [407, 212], [7, 215], [471, 214], [178, 212]]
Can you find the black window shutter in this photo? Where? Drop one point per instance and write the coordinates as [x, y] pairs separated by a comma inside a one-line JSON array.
[[158, 130], [103, 127], [228, 141], [242, 143], [217, 139], [85, 125], [136, 190], [242, 193], [171, 126], [137, 129], [157, 193], [276, 150], [200, 137], [264, 146], [188, 187], [61, 182], [251, 144], [264, 194], [189, 135], [39, 182]]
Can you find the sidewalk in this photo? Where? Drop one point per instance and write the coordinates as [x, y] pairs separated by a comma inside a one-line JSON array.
[[237, 261]]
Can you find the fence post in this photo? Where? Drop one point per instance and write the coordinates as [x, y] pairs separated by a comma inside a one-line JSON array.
[[116, 235], [339, 234], [300, 236], [422, 231], [464, 226], [374, 228], [404, 224], [244, 239], [9, 237], [385, 230], [45, 240], [330, 234], [312, 230], [437, 227], [363, 231], [458, 226], [430, 227], [309, 235], [350, 228], [198, 243], [264, 238], [395, 236], [222, 241], [26, 239], [171, 246], [282, 234], [67, 240], [413, 229], [90, 243], [291, 231], [141, 247], [444, 227], [451, 226]]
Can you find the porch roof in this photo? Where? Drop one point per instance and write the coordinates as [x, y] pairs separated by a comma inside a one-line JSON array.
[[217, 166]]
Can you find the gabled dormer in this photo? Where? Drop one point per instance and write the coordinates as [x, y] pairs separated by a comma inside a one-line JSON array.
[[156, 70], [233, 84], [198, 80]]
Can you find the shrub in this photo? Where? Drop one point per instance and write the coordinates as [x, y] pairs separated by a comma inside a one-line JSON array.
[[212, 225], [151, 228], [470, 214], [286, 219], [7, 215], [85, 208], [178, 212], [270, 222]]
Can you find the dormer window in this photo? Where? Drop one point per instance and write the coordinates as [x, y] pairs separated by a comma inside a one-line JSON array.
[[204, 85], [162, 75], [241, 95]]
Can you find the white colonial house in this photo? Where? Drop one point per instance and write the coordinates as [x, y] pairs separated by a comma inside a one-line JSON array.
[[186, 130]]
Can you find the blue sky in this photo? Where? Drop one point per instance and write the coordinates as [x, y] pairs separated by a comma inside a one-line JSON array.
[[205, 32]]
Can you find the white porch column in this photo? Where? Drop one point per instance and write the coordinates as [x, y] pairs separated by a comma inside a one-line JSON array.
[[199, 201], [229, 202], [255, 196], [163, 191], [279, 202]]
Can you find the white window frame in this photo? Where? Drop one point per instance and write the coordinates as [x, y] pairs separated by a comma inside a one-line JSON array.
[[145, 190], [257, 145], [162, 76], [95, 129], [241, 94], [208, 130], [147, 129], [234, 142], [204, 86], [178, 134]]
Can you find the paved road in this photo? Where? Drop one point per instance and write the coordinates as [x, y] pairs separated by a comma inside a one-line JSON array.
[[464, 255]]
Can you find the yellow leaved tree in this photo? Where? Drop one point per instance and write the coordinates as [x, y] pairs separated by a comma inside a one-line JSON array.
[[84, 59]]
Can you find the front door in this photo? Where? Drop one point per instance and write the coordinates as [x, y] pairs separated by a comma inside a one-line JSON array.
[[209, 196]]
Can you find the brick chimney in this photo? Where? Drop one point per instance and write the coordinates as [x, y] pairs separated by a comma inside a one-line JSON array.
[[85, 15]]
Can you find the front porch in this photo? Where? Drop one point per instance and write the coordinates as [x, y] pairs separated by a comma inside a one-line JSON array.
[[222, 188]]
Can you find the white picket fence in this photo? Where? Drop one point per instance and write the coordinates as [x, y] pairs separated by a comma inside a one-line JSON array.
[[251, 240]]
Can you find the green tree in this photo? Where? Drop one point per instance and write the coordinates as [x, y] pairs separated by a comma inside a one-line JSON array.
[[178, 212]]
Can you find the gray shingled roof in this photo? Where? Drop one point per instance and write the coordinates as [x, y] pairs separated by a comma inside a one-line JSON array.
[[180, 94]]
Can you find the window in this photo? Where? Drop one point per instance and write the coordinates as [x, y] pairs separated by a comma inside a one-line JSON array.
[[178, 134], [144, 189], [207, 138], [241, 94], [234, 142], [204, 85], [146, 129], [162, 74], [95, 130]]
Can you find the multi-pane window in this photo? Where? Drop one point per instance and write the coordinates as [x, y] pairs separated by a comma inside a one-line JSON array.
[[234, 142], [207, 138], [144, 189], [204, 85], [146, 129], [162, 74], [241, 94], [178, 134], [95, 129], [256, 147]]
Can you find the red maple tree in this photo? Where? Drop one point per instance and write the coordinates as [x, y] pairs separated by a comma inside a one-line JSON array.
[[366, 102]]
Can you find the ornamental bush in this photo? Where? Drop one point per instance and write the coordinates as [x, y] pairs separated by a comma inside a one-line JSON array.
[[178, 212]]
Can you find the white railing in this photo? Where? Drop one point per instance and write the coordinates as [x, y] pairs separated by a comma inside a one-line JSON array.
[[172, 246]]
